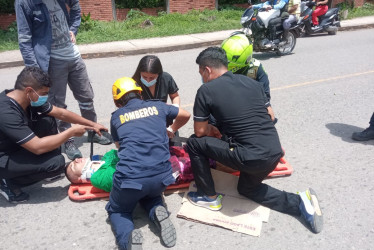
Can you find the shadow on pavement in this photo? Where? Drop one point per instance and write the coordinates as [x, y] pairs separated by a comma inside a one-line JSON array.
[[344, 131], [40, 193]]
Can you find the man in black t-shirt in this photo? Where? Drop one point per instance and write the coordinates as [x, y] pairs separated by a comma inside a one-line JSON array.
[[251, 146], [29, 142]]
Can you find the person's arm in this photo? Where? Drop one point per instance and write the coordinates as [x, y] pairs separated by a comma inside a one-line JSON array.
[[74, 15], [46, 144], [181, 119], [280, 5], [257, 6], [263, 78], [205, 129], [322, 2], [175, 99], [24, 17], [70, 117]]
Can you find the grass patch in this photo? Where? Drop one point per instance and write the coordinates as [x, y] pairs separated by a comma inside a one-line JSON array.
[[353, 12], [92, 31]]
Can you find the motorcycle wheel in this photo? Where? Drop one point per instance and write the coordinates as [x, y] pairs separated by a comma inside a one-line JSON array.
[[290, 45], [332, 33]]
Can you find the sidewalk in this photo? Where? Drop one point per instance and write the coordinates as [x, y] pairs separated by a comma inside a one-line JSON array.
[[13, 58]]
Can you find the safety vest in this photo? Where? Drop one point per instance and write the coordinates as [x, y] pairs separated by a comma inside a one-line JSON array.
[[253, 68]]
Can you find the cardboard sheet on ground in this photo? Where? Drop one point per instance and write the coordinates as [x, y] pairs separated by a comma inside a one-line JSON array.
[[238, 213]]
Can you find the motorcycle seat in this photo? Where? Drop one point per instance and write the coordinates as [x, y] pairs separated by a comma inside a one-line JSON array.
[[331, 12]]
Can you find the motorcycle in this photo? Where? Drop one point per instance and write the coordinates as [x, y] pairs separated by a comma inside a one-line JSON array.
[[256, 27], [328, 22]]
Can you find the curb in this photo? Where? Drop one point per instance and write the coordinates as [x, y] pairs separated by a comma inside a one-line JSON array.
[[4, 65]]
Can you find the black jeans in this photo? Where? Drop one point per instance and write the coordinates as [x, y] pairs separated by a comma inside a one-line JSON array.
[[25, 168], [372, 121], [252, 173]]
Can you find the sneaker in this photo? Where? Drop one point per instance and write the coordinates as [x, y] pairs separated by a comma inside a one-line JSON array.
[[12, 195], [310, 210], [367, 134], [104, 139], [205, 201], [136, 240], [71, 150], [314, 28], [166, 227]]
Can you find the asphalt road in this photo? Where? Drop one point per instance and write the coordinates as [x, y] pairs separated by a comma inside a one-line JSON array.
[[320, 94]]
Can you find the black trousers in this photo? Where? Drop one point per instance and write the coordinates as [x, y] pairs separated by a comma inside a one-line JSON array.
[[252, 173], [25, 168], [372, 121]]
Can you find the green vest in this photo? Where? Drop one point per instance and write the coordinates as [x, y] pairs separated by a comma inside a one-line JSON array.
[[253, 68]]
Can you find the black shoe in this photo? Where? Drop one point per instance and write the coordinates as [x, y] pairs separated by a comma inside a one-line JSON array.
[[14, 195], [367, 134], [104, 139], [166, 227], [71, 150], [136, 240]]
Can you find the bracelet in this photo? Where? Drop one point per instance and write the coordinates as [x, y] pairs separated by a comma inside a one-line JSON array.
[[175, 105], [170, 130]]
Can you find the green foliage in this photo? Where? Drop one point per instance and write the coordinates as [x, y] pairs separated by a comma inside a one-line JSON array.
[[133, 14], [366, 10], [139, 4], [87, 23], [6, 6]]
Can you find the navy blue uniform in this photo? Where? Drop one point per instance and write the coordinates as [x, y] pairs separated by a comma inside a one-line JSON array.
[[143, 171]]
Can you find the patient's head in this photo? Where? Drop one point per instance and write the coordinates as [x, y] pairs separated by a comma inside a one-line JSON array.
[[81, 170], [74, 169]]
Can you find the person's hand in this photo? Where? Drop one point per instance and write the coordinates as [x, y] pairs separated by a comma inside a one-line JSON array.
[[214, 132], [271, 113], [98, 127], [268, 8], [170, 132], [79, 130], [72, 37]]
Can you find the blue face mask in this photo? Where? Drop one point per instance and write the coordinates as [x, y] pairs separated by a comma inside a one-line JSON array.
[[148, 84], [41, 100]]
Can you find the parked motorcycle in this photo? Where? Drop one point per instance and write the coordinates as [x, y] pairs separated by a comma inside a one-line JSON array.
[[328, 22], [256, 27]]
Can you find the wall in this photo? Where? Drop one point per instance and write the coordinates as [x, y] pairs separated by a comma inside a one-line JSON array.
[[183, 6], [122, 13], [6, 20], [357, 3], [99, 10]]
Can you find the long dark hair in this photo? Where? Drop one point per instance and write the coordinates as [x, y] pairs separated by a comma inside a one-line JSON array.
[[150, 64]]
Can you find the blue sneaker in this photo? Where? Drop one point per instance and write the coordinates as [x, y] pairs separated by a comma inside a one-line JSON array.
[[310, 210], [205, 201]]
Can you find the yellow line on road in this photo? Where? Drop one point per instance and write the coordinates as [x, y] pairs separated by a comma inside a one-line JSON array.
[[323, 80], [308, 83]]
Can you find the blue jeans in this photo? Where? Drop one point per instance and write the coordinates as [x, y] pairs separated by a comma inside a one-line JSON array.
[[125, 195]]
